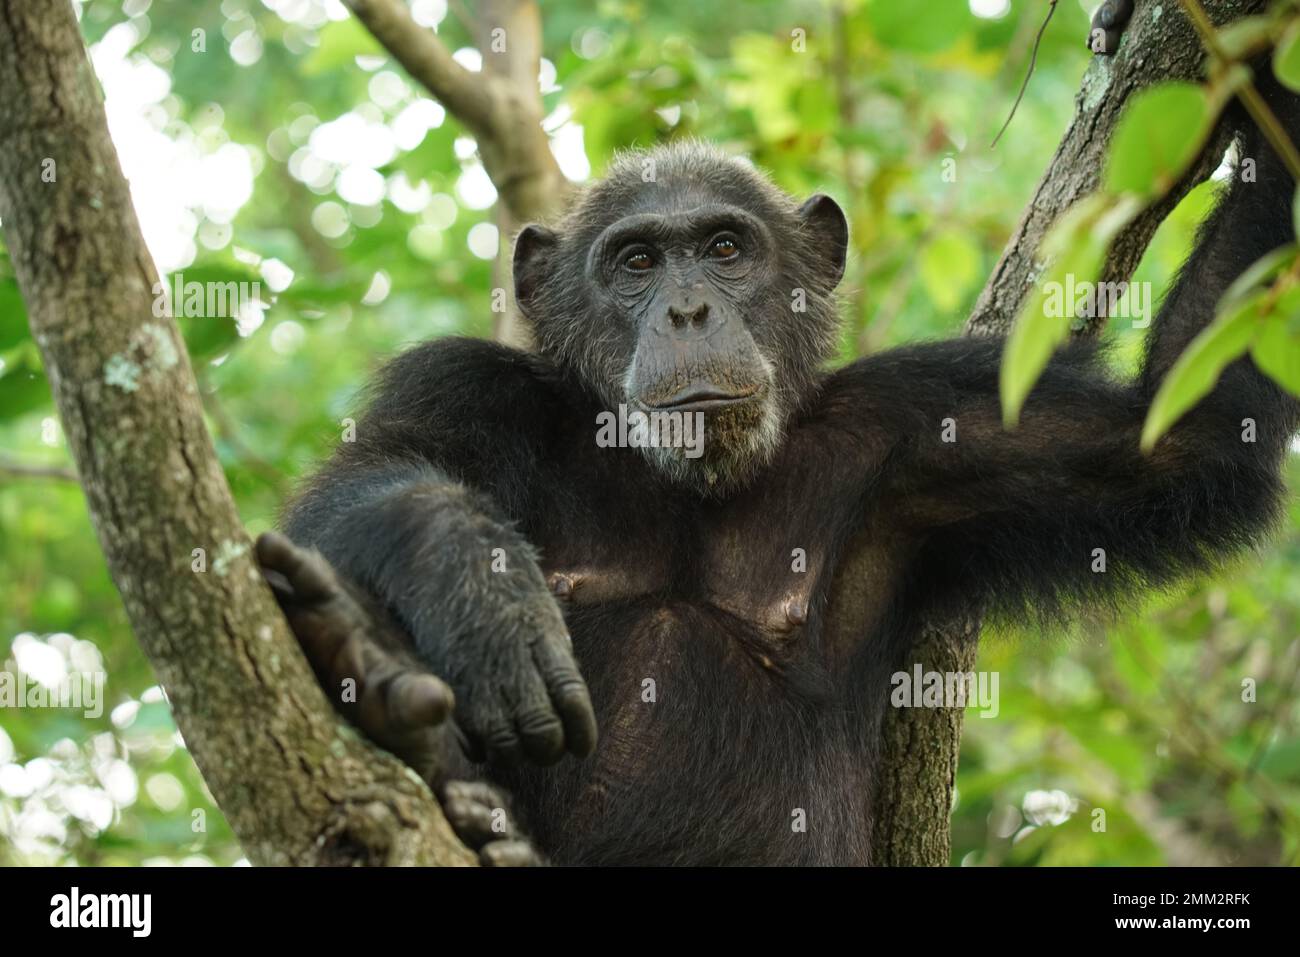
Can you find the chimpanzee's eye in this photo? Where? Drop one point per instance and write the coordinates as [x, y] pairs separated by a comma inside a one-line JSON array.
[[724, 248], [639, 261]]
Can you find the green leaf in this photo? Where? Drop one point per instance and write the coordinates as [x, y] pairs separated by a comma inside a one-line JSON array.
[[1242, 37], [13, 315], [208, 336], [1276, 349], [1260, 273], [23, 387], [1286, 58], [1075, 248], [1277, 353], [899, 26], [1159, 134], [1199, 367]]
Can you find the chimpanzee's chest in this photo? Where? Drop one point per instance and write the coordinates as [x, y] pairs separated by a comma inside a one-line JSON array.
[[720, 703], [723, 737], [755, 569], [758, 605], [754, 577]]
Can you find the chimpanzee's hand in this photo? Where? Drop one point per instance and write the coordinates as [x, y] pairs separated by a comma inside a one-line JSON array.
[[503, 647], [1108, 25], [394, 699], [500, 640], [381, 690]]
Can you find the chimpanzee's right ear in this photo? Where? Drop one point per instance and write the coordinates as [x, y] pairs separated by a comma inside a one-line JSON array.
[[534, 248]]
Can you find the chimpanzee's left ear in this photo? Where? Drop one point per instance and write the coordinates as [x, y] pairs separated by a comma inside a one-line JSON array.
[[825, 220], [532, 260]]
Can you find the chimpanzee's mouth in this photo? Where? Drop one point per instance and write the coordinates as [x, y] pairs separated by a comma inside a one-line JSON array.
[[704, 396]]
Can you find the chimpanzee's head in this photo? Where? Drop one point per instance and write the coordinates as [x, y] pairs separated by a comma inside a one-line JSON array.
[[686, 282]]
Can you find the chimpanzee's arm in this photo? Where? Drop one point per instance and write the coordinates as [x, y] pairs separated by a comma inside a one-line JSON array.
[[1065, 507], [416, 514]]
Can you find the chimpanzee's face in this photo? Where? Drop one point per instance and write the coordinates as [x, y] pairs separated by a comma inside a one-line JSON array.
[[694, 287], [705, 294]]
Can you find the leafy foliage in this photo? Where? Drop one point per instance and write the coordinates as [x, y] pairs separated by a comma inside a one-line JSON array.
[[1162, 131]]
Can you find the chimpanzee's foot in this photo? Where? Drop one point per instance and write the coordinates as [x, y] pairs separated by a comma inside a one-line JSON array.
[[1108, 25], [477, 813], [388, 695]]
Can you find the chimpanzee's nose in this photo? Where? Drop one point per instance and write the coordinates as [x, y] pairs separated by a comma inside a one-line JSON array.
[[689, 317]]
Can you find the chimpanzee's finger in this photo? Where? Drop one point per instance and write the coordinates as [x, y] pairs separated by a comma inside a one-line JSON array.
[[553, 656], [307, 572], [337, 656], [510, 854], [477, 813], [539, 727], [413, 700]]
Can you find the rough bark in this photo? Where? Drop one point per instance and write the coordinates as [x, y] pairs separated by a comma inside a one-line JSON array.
[[921, 745], [519, 157], [914, 791], [297, 786]]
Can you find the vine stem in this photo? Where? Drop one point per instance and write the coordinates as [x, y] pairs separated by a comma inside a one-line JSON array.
[[1250, 97], [1033, 60]]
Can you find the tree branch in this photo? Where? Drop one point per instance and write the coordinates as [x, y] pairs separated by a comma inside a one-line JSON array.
[[429, 62], [297, 786], [501, 106], [13, 467], [1159, 44]]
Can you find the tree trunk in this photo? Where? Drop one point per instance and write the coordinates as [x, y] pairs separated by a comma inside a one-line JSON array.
[[921, 745], [529, 182], [297, 786]]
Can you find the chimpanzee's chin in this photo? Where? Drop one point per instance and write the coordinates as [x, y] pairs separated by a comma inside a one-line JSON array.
[[736, 442]]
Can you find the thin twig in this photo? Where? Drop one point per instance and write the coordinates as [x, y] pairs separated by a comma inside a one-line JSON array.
[[1033, 59], [1250, 97], [17, 469]]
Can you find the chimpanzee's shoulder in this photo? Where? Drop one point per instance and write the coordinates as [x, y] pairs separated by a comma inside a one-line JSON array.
[[462, 362], [467, 380]]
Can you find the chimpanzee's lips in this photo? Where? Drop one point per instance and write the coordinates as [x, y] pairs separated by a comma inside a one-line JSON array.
[[704, 396]]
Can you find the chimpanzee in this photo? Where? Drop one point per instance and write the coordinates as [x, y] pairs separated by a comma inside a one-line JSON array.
[[727, 606]]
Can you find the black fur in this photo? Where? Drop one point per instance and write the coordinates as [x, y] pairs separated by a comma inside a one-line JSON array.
[[769, 686]]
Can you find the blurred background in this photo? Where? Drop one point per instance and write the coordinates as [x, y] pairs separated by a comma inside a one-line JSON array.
[[295, 153]]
